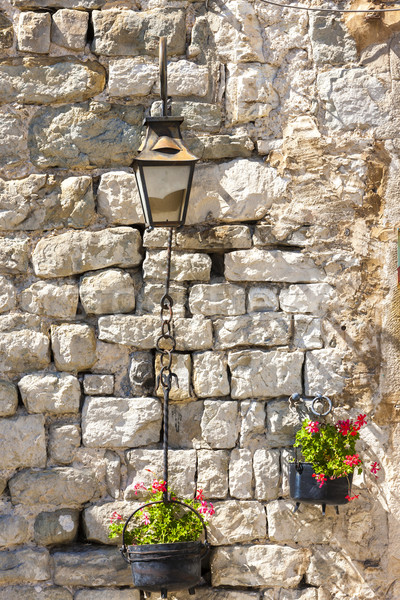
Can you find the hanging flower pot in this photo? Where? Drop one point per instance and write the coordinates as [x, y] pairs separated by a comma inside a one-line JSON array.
[[304, 487]]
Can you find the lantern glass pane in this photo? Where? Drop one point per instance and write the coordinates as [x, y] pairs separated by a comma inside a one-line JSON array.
[[166, 188], [142, 195]]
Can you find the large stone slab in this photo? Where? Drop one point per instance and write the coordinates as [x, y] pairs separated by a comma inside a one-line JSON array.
[[260, 374], [220, 237], [56, 527], [258, 329], [13, 255], [23, 442], [220, 423], [118, 198], [184, 424], [25, 565], [80, 4], [218, 147], [60, 486], [258, 566], [33, 32], [212, 473], [37, 80], [74, 346], [306, 526], [324, 372], [13, 530], [250, 92], [64, 439], [6, 32], [55, 393], [50, 299], [210, 375], [85, 135], [199, 116], [182, 367], [241, 473], [312, 298], [69, 28], [132, 33], [185, 266], [78, 251], [108, 594], [271, 265], [96, 520], [110, 291], [266, 474], [217, 299], [120, 422], [24, 350], [282, 423], [36, 592], [237, 522], [91, 566]]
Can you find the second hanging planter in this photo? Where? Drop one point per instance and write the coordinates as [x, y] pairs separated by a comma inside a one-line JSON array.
[[305, 488]]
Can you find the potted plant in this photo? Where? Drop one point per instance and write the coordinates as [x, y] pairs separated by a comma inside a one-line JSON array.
[[330, 459], [161, 539]]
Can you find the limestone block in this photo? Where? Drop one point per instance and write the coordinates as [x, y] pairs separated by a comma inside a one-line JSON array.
[[353, 98], [217, 299], [282, 423], [43, 202], [43, 80], [13, 255], [36, 592], [84, 135], [86, 566], [111, 358], [312, 298], [74, 346], [63, 442], [141, 374], [50, 299], [241, 474], [326, 563], [265, 234], [79, 4], [217, 147], [78, 251], [236, 190], [262, 298], [23, 442], [8, 399], [212, 473], [132, 77], [184, 430], [182, 367], [13, 530], [220, 237], [14, 148], [61, 486], [113, 473], [182, 470], [307, 526], [261, 374], [6, 33], [98, 385], [24, 350], [185, 266], [57, 527], [56, 393], [220, 424], [33, 33], [331, 43], [110, 291], [252, 429], [69, 28], [266, 474], [186, 78], [286, 459], [207, 593], [270, 265], [150, 294], [132, 33], [237, 522], [257, 329], [142, 332], [107, 594], [258, 566], [250, 93], [323, 372], [199, 116], [25, 565], [120, 422], [210, 375], [118, 198], [17, 321], [96, 520], [282, 594], [307, 333]]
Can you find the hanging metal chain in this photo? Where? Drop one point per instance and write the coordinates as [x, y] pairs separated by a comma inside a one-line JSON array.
[[166, 345]]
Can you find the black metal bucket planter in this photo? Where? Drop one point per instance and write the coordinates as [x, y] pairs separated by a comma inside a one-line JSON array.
[[305, 488], [166, 567]]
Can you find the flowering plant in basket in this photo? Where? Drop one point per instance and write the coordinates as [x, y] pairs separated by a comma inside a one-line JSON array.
[[331, 448], [163, 523]]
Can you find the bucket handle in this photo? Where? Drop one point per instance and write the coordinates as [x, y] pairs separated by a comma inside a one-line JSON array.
[[124, 549]]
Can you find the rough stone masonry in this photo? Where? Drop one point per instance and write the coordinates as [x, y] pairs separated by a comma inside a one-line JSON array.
[[284, 280]]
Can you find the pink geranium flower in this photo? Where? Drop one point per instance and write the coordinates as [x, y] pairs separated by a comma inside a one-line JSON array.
[[312, 427]]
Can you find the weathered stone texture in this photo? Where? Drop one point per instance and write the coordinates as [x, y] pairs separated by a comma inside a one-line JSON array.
[[307, 333], [282, 423], [262, 298], [25, 565], [182, 367], [13, 530], [199, 116], [110, 291], [150, 294], [14, 148], [24, 350], [8, 399], [307, 526], [74, 347], [210, 375], [265, 329], [96, 520], [47, 80], [222, 237], [13, 255], [120, 422], [312, 298], [55, 393], [23, 442], [63, 442], [50, 299], [141, 374], [98, 385], [184, 429], [75, 252], [33, 32], [250, 92], [87, 566], [271, 265], [58, 527], [213, 473], [217, 299], [241, 474], [219, 424], [107, 594], [36, 592], [6, 32], [118, 198], [69, 28], [184, 266], [324, 372], [236, 522], [266, 474]]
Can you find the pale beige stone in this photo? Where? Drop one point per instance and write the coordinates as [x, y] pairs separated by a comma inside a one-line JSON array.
[[262, 298], [14, 149], [120, 422], [266, 474], [132, 77], [258, 566], [60, 486], [250, 92], [220, 237], [37, 592], [96, 520], [150, 295], [98, 385], [13, 255], [33, 32], [69, 28], [313, 298], [307, 332], [56, 393], [237, 522], [23, 442], [306, 526], [24, 565], [7, 295], [110, 291], [78, 251], [74, 347], [63, 442], [107, 594], [220, 423], [8, 399], [118, 198], [50, 299], [13, 530], [217, 299], [24, 350], [113, 473], [257, 329], [324, 372], [182, 367], [252, 429], [282, 423], [241, 474], [184, 430], [184, 266], [87, 564], [210, 374], [199, 116], [111, 358], [212, 475], [260, 374]]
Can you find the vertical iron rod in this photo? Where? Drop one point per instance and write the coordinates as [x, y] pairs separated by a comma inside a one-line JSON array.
[[166, 384], [163, 75]]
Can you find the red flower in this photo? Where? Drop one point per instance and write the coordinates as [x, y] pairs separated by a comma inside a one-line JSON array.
[[352, 461], [158, 486], [211, 510], [146, 519], [375, 468], [200, 495], [350, 498], [116, 517], [321, 478], [139, 486], [361, 420], [344, 426], [312, 427]]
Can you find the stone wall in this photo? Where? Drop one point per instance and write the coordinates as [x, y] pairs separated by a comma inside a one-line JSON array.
[[283, 281]]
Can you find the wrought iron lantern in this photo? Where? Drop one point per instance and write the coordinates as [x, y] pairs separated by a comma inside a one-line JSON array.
[[164, 168]]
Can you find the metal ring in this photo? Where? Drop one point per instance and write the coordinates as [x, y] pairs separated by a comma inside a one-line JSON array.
[[324, 399]]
